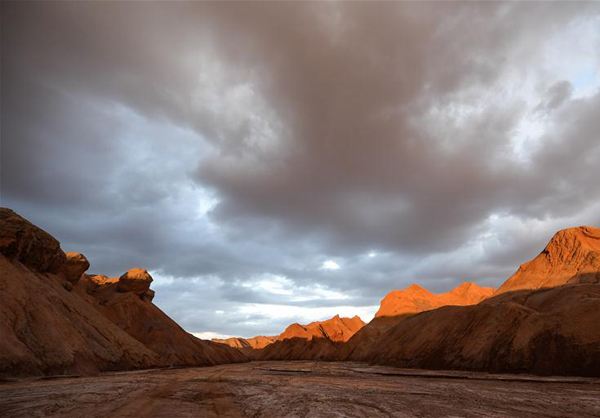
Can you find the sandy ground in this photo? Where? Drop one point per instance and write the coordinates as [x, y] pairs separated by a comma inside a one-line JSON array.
[[301, 389]]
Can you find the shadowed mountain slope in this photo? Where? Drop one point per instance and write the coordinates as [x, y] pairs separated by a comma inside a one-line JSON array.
[[550, 326], [317, 340], [546, 331]]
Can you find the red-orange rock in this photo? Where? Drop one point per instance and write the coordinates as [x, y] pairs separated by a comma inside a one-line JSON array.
[[52, 326], [415, 299], [334, 329], [136, 280], [319, 340], [243, 344], [75, 265], [544, 331], [22, 241], [571, 256]]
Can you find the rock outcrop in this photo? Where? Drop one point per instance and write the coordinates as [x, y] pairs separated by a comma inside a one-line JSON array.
[[416, 299], [126, 301], [334, 329], [254, 343], [54, 320], [547, 331], [319, 340], [571, 256], [23, 242], [75, 265], [543, 319], [135, 280], [400, 304]]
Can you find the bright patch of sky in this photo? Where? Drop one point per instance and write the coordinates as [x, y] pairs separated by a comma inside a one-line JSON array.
[[209, 335], [330, 265], [288, 314]]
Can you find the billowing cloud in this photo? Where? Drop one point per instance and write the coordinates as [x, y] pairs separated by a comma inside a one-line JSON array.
[[279, 162]]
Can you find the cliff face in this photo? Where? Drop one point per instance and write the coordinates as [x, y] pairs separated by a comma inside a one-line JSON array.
[[415, 299], [54, 319], [571, 256]]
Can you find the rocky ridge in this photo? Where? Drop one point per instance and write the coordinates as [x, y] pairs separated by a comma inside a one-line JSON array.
[[55, 319]]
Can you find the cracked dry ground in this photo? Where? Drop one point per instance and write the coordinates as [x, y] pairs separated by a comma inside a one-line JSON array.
[[301, 389]]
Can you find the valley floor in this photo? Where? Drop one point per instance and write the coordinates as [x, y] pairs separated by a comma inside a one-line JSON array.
[[301, 389]]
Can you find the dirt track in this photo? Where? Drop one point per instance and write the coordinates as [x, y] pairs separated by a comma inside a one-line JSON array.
[[301, 389]]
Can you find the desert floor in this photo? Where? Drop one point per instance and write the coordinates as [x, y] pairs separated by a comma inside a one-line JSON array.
[[301, 389]]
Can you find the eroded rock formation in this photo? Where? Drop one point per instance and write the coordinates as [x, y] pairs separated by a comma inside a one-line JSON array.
[[543, 319], [571, 256], [255, 343], [545, 331], [54, 319], [416, 299]]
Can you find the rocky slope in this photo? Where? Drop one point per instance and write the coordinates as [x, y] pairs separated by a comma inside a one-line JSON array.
[[320, 340], [546, 331], [54, 319], [317, 340], [571, 256], [543, 319], [335, 329], [400, 304]]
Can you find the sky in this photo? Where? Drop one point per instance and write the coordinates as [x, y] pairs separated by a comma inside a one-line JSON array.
[[272, 163]]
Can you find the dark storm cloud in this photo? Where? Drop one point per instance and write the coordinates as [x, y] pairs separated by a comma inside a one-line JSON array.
[[216, 143]]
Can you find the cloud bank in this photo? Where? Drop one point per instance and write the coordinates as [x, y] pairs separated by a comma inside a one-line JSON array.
[[281, 162]]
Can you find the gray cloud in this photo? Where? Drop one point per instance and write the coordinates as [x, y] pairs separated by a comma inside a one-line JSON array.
[[221, 143]]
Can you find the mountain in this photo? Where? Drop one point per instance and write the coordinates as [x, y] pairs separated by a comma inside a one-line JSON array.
[[320, 340], [400, 304], [255, 343], [334, 329], [415, 299], [317, 340], [545, 331], [55, 319], [571, 256], [543, 319]]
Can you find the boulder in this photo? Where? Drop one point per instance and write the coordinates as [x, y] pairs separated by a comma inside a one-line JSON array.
[[22, 241], [94, 282], [135, 280], [76, 264]]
